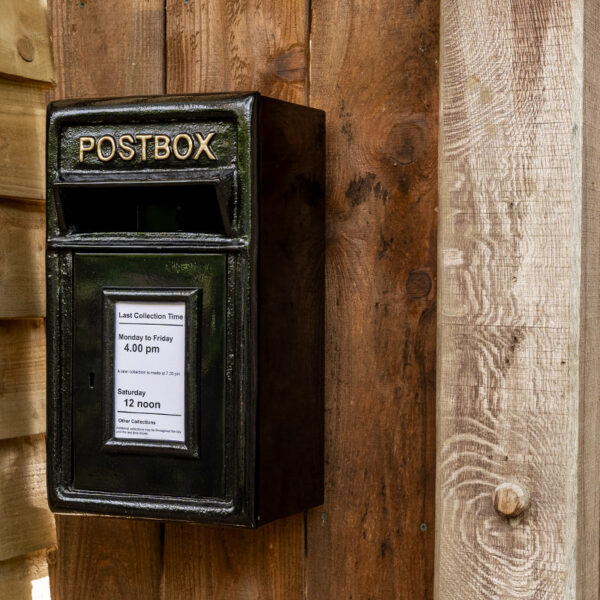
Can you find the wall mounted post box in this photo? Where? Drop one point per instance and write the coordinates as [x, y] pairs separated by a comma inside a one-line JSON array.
[[185, 270]]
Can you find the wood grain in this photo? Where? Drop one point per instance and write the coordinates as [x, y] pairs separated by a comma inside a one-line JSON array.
[[22, 140], [207, 562], [27, 524], [588, 502], [22, 266], [374, 71], [107, 559], [221, 46], [107, 48], [22, 379], [25, 49], [24, 577], [518, 299], [218, 46]]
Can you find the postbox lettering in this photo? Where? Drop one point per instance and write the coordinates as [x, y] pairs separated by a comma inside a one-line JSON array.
[[127, 146], [111, 153], [204, 146], [86, 144], [126, 152], [188, 141], [162, 150], [143, 139]]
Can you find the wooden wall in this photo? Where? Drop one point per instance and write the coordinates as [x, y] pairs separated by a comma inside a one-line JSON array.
[[373, 67], [519, 308], [26, 525]]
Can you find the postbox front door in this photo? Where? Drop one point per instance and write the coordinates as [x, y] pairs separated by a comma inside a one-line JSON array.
[[149, 382]]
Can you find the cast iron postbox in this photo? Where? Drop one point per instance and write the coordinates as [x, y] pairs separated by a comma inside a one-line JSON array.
[[185, 307]]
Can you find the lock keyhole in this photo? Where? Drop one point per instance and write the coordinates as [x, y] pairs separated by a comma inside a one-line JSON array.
[[92, 378]]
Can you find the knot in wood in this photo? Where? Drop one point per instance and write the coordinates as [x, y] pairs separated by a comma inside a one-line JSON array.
[[511, 499], [25, 48]]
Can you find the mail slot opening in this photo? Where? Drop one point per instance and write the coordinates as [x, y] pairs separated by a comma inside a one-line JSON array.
[[197, 208]]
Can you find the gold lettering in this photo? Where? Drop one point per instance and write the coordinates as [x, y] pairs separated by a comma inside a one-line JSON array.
[[161, 147], [204, 146], [190, 146], [129, 152], [113, 148], [90, 146], [144, 138]]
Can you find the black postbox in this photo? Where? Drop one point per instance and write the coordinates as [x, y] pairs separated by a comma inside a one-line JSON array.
[[185, 292]]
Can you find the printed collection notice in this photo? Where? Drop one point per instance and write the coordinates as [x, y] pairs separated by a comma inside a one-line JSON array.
[[149, 394]]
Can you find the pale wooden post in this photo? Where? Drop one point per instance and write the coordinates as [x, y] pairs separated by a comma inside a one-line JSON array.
[[519, 312]]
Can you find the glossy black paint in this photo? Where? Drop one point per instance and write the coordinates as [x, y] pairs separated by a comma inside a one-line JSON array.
[[241, 240]]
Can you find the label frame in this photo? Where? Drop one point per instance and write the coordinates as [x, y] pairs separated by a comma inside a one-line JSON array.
[[192, 297]]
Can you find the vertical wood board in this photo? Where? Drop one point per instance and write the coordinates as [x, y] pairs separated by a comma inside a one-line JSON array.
[[22, 140], [374, 71], [224, 46], [216, 563], [588, 504], [107, 559], [518, 295], [25, 48], [102, 49], [22, 266], [23, 384], [27, 524], [106, 48], [218, 46]]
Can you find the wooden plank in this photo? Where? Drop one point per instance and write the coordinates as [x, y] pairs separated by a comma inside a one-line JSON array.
[[210, 563], [25, 577], [221, 46], [519, 303], [22, 270], [374, 70], [22, 140], [22, 373], [27, 524], [231, 46], [107, 559], [25, 40], [97, 54], [588, 502]]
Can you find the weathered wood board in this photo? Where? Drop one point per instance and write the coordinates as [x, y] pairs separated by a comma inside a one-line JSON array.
[[107, 559], [22, 260], [108, 48], [207, 562], [22, 373], [27, 524], [588, 502], [223, 46], [234, 46], [22, 140], [25, 48], [374, 70], [518, 299]]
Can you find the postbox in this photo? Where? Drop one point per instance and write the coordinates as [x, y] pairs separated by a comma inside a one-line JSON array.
[[185, 301]]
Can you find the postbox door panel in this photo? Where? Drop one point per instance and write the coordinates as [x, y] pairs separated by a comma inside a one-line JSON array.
[[148, 373]]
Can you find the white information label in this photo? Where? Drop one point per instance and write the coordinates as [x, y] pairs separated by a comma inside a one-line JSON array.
[[149, 394]]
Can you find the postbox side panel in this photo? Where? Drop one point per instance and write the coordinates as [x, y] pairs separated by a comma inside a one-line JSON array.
[[149, 401], [291, 286]]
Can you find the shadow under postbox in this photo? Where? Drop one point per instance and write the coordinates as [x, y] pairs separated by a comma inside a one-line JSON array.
[[185, 266]]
